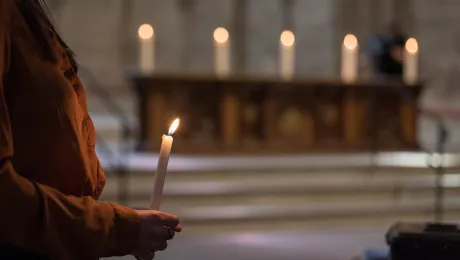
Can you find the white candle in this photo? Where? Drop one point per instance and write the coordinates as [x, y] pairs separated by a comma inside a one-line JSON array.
[[147, 48], [410, 72], [287, 54], [162, 167], [350, 51], [221, 52]]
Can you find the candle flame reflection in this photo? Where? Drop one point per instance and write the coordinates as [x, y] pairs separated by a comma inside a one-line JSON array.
[[174, 126]]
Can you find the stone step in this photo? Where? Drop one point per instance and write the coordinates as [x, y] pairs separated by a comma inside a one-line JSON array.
[[109, 135], [338, 193], [230, 184], [330, 200], [224, 191], [310, 212], [146, 162], [123, 99]]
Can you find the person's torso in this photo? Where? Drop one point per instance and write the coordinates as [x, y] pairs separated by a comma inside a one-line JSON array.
[[53, 134], [391, 59]]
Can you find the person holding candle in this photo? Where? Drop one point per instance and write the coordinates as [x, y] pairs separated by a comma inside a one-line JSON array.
[[50, 176]]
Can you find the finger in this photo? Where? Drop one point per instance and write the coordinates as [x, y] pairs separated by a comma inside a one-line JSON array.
[[178, 228], [159, 233], [159, 246], [167, 219], [171, 234], [146, 256]]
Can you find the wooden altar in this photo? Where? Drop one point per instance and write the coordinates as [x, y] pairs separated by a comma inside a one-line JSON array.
[[259, 115]]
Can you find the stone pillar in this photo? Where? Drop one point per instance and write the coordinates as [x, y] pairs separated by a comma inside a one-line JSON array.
[[188, 19], [288, 14], [127, 38], [264, 25], [238, 35], [94, 37], [317, 37], [403, 12]]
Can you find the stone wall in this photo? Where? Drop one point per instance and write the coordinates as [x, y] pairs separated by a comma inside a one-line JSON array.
[[91, 28], [103, 32]]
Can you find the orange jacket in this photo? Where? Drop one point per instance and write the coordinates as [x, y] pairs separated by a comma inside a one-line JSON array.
[[50, 176]]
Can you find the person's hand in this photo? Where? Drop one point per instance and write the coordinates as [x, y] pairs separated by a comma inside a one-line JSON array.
[[156, 228]]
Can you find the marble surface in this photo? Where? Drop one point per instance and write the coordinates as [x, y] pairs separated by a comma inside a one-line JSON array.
[[339, 244]]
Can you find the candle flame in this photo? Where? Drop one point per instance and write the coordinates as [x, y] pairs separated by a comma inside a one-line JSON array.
[[174, 126], [287, 38], [145, 31], [412, 46], [221, 35], [350, 42]]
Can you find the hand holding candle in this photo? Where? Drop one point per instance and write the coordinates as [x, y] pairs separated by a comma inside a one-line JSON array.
[[162, 167]]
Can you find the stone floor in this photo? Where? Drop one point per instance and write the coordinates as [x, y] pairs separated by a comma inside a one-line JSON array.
[[338, 244], [334, 239]]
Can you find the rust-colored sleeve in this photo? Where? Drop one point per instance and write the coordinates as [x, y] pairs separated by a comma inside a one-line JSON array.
[[40, 219]]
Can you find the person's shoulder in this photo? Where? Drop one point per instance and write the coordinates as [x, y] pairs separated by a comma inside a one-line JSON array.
[[5, 3], [5, 8]]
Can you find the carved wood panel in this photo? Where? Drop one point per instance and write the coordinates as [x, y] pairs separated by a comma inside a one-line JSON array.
[[251, 114], [199, 113], [294, 115], [328, 114], [226, 116]]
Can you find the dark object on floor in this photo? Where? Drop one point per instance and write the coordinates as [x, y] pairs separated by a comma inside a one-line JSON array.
[[13, 253], [373, 254], [424, 241]]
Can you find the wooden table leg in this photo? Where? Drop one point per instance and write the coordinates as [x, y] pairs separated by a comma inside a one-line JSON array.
[[352, 120], [269, 118], [157, 125], [230, 119], [408, 122], [308, 129]]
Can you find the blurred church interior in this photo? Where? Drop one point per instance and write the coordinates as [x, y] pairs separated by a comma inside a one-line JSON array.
[[288, 147]]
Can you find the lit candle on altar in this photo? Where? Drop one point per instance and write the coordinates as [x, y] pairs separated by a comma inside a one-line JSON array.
[[350, 50], [221, 52], [411, 62], [162, 167], [147, 48], [287, 54]]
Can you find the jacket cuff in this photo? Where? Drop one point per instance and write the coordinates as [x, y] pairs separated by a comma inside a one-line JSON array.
[[126, 230]]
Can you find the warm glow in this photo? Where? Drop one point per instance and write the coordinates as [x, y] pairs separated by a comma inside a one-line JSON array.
[[412, 46], [173, 126], [350, 42], [145, 31], [287, 38], [221, 35]]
